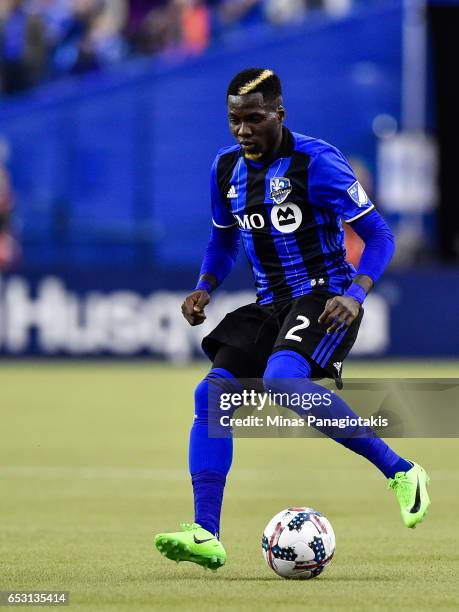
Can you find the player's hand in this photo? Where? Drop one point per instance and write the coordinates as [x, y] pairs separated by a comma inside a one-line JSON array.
[[193, 307], [340, 311]]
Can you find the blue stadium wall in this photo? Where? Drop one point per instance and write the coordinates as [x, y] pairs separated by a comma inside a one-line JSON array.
[[115, 167], [111, 182]]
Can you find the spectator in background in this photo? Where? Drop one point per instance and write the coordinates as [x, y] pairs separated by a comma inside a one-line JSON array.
[[65, 54], [102, 42], [159, 31], [55, 16], [177, 27], [138, 10], [22, 47], [194, 25], [92, 37], [42, 39]]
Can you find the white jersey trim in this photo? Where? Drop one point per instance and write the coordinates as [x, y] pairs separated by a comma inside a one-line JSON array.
[[360, 214], [224, 226]]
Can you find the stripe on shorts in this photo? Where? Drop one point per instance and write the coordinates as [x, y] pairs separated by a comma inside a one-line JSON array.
[[333, 347], [323, 345]]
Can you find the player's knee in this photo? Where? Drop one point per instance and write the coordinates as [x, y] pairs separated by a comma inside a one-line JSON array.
[[200, 399], [217, 381], [281, 367]]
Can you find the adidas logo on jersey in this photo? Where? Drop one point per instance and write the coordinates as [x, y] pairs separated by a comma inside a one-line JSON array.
[[232, 193]]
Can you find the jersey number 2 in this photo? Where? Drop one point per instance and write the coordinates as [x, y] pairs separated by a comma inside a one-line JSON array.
[[305, 323]]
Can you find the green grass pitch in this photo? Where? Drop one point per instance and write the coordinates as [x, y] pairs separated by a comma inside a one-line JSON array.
[[93, 462]]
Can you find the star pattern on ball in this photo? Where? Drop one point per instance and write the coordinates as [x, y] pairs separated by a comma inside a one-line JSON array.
[[317, 545], [298, 522], [286, 554], [264, 543]]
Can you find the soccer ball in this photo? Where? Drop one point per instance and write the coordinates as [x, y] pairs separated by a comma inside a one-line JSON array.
[[298, 543]]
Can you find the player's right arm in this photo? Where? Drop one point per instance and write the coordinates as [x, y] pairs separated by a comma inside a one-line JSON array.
[[220, 255]]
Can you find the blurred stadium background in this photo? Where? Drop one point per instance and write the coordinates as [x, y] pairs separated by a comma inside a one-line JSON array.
[[105, 160], [110, 115]]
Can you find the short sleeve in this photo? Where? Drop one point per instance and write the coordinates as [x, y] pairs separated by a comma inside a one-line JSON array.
[[334, 186], [221, 216]]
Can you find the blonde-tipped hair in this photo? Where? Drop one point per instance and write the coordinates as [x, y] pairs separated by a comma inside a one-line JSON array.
[[251, 85]]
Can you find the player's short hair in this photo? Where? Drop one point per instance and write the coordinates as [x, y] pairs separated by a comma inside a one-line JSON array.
[[254, 80]]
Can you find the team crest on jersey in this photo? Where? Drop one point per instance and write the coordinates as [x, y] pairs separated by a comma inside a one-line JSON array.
[[358, 194], [279, 188]]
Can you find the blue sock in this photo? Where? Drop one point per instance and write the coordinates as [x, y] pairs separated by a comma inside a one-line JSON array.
[[209, 458], [288, 371]]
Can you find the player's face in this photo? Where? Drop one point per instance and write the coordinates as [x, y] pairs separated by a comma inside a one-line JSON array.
[[256, 124]]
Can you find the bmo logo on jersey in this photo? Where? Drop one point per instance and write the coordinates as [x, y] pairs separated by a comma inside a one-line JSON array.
[[286, 218], [253, 221]]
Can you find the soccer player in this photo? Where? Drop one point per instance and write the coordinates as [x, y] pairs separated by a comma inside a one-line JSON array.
[[285, 195]]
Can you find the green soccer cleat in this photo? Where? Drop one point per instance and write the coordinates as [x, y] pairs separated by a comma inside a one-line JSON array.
[[411, 490], [193, 544]]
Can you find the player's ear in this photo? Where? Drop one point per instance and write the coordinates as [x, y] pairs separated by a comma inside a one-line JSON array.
[[280, 110]]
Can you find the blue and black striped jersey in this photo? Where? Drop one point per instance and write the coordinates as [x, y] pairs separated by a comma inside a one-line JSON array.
[[290, 213]]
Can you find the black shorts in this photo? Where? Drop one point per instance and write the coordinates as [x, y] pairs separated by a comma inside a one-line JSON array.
[[260, 331]]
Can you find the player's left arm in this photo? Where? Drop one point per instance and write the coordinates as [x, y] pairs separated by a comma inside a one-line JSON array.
[[334, 186]]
